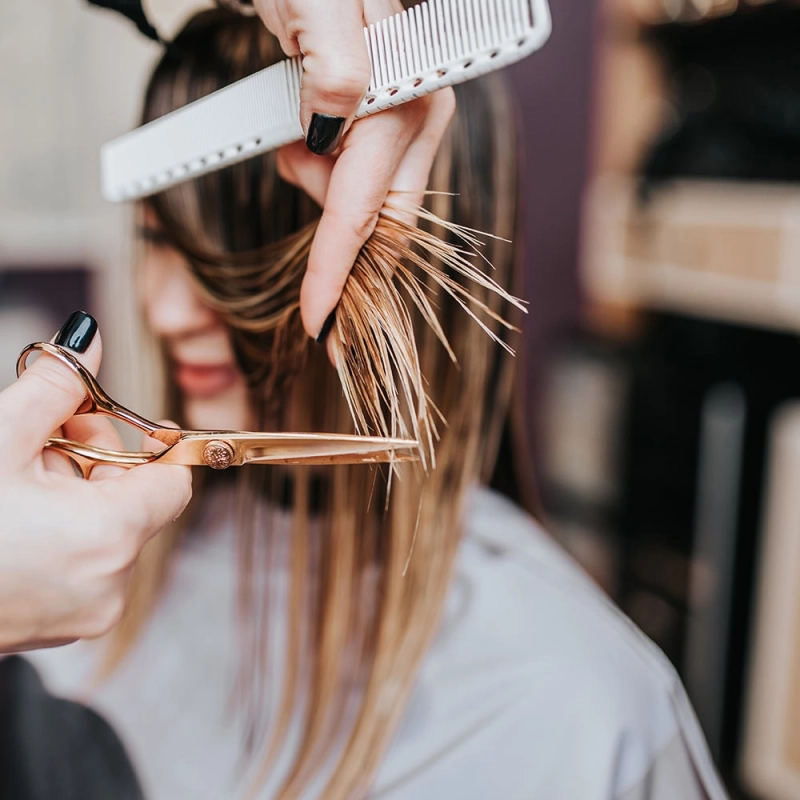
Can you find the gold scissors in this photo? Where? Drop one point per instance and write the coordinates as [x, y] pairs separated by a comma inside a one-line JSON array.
[[215, 449]]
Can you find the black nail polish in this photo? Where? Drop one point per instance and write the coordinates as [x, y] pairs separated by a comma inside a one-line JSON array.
[[77, 332], [324, 133], [326, 327]]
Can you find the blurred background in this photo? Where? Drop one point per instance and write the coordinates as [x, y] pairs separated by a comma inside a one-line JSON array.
[[659, 403]]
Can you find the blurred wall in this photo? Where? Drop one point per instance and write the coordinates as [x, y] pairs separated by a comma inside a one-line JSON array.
[[554, 88], [72, 79]]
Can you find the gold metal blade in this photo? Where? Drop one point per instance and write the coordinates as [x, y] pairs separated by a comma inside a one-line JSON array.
[[223, 449]]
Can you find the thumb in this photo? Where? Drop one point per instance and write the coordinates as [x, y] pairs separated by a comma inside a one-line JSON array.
[[48, 393]]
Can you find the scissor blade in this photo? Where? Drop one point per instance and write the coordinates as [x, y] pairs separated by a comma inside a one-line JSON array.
[[329, 449], [377, 457], [233, 448]]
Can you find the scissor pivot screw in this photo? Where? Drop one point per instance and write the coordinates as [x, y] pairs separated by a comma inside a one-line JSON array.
[[218, 455]]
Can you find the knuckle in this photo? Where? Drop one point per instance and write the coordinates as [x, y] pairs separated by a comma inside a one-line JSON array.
[[359, 225], [124, 550], [287, 42], [363, 225], [106, 614], [102, 609], [345, 81]]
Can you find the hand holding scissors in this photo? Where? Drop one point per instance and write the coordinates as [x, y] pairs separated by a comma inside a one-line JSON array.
[[215, 449], [69, 545]]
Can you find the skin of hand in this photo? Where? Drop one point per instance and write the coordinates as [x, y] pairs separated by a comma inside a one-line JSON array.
[[390, 152], [68, 545]]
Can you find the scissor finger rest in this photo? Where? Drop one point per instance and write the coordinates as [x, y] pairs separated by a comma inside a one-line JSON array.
[[86, 457]]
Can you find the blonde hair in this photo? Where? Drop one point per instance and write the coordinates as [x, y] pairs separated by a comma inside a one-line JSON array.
[[368, 570]]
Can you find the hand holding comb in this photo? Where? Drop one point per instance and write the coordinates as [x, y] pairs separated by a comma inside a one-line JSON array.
[[431, 45]]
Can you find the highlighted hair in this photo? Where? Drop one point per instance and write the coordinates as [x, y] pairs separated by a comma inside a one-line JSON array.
[[416, 354]]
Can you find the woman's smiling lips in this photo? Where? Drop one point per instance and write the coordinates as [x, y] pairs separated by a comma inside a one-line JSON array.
[[204, 380]]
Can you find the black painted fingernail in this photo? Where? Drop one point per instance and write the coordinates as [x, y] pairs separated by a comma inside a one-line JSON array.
[[326, 327], [77, 332], [324, 133]]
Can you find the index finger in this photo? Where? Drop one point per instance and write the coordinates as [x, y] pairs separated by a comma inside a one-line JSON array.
[[359, 184]]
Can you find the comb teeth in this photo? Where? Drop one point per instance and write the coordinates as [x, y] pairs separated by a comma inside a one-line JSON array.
[[442, 35], [433, 44]]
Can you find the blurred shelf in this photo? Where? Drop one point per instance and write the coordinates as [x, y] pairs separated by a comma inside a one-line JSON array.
[[648, 14], [729, 251]]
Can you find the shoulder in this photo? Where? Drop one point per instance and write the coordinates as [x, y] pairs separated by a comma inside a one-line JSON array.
[[528, 591], [537, 670]]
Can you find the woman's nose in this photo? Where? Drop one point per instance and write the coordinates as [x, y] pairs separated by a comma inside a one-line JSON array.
[[172, 303]]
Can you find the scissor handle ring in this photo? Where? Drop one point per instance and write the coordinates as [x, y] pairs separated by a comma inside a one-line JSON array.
[[96, 399], [86, 457]]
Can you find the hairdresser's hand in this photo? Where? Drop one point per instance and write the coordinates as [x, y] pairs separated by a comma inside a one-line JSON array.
[[67, 546], [389, 152]]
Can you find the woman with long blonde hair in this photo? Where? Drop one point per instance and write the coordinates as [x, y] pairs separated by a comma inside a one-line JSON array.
[[345, 632]]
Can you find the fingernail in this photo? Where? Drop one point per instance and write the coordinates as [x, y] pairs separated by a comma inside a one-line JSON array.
[[77, 332], [326, 327], [324, 133]]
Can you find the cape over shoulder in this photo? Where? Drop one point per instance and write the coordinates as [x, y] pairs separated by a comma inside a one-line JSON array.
[[539, 687]]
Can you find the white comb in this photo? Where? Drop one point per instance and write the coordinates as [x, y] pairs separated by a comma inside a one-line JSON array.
[[434, 44]]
